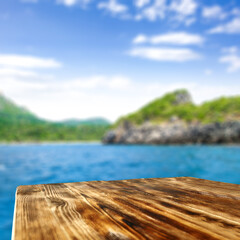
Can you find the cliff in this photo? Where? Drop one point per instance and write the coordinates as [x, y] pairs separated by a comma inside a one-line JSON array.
[[175, 119], [178, 133]]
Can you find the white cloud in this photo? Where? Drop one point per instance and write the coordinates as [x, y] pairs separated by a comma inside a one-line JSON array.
[[141, 3], [232, 60], [16, 72], [20, 86], [113, 6], [58, 98], [23, 61], [140, 39], [70, 3], [184, 11], [177, 10], [153, 12], [213, 12], [177, 38], [164, 54], [184, 7], [114, 82], [230, 27], [119, 82]]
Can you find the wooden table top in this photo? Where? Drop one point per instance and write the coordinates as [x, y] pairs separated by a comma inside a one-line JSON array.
[[167, 208]]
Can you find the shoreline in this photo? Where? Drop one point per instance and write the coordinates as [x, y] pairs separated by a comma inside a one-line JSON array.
[[120, 144], [48, 142], [176, 133]]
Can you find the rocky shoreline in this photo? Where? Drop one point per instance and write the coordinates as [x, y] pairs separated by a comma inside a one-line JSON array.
[[175, 133]]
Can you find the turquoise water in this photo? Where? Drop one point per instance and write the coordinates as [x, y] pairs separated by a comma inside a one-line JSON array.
[[52, 163]]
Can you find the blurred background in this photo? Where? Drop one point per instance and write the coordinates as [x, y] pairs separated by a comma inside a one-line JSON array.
[[117, 89]]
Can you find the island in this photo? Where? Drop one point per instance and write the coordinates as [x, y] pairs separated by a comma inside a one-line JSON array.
[[175, 119]]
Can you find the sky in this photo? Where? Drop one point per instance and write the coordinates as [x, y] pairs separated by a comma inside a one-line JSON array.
[[88, 58]]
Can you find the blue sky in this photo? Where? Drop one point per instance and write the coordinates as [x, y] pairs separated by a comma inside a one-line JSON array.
[[84, 58]]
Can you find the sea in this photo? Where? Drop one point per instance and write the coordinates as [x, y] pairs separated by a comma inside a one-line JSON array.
[[24, 164]]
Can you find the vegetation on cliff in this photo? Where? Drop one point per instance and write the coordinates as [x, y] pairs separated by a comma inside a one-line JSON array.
[[179, 105], [18, 124]]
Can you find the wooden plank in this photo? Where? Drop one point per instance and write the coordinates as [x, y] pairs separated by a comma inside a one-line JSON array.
[[168, 208]]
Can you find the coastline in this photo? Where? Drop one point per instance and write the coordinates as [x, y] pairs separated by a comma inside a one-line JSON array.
[[176, 133], [100, 143], [97, 142]]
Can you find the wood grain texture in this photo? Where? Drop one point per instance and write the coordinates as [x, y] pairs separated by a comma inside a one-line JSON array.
[[168, 208]]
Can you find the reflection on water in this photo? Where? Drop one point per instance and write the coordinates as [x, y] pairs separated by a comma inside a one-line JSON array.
[[51, 163]]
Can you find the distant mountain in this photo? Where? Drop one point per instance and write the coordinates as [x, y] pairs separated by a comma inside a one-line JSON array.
[[19, 124], [179, 105], [89, 121]]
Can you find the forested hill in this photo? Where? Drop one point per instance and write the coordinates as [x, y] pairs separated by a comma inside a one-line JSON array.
[[18, 124], [179, 105], [10, 113]]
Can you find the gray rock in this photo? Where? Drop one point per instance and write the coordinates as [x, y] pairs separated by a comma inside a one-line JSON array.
[[175, 133]]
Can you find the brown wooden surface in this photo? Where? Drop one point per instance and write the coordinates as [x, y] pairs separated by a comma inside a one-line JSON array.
[[170, 208]]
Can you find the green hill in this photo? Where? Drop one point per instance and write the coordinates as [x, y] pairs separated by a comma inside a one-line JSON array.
[[10, 113], [18, 124], [179, 105]]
